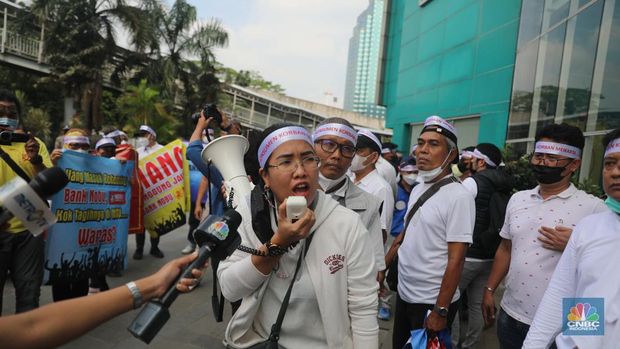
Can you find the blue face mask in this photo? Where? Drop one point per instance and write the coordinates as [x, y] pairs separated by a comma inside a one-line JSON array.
[[9, 123], [613, 204]]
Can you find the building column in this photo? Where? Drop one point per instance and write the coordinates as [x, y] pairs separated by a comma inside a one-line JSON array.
[[69, 110]]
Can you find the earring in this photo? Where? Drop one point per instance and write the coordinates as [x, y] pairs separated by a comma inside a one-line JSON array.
[[268, 195]]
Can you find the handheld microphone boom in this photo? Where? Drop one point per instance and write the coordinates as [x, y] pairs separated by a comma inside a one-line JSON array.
[[216, 236], [27, 201]]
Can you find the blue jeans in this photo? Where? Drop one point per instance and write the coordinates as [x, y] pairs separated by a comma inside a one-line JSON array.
[[511, 332]]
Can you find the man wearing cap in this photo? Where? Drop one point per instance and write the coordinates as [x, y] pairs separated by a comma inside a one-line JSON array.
[[432, 253], [145, 145], [106, 147], [368, 178], [588, 268], [537, 227], [491, 188]]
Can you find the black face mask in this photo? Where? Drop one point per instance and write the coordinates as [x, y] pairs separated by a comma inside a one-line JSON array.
[[546, 174]]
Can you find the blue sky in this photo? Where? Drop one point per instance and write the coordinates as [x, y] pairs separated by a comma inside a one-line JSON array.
[[299, 44]]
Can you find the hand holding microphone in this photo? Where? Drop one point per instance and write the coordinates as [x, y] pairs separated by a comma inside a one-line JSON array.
[[216, 236], [294, 222]]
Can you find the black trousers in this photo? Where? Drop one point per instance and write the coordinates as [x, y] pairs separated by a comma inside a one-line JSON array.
[[140, 238], [64, 289], [410, 316], [193, 223], [22, 255]]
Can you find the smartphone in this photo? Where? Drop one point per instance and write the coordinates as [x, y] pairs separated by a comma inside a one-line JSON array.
[[296, 206]]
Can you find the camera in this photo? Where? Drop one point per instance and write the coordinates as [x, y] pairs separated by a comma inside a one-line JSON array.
[[210, 111], [7, 137]]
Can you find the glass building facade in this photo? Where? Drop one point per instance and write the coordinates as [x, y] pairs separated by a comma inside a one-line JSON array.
[[567, 69], [363, 62]]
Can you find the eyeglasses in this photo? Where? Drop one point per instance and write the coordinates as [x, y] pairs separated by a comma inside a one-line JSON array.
[[330, 146], [8, 111], [545, 159], [288, 165]]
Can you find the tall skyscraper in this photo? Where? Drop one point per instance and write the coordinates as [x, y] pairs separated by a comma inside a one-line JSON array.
[[363, 63]]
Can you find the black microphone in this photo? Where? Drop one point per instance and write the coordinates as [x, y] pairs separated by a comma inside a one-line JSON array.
[[28, 202], [215, 236]]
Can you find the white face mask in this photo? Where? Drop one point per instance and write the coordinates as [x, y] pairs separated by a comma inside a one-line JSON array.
[[81, 151], [357, 163], [327, 183], [410, 178], [10, 124], [429, 175], [142, 142], [124, 142]]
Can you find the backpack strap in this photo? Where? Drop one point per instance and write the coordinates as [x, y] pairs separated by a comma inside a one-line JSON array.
[[13, 165], [427, 195]]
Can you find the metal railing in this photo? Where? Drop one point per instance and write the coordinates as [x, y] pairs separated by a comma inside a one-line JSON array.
[[22, 45]]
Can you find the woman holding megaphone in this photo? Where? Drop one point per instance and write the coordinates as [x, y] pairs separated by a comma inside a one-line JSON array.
[[314, 270]]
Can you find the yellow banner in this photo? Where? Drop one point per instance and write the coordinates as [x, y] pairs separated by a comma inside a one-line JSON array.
[[164, 176]]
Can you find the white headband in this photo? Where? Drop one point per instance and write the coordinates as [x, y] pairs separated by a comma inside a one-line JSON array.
[[438, 121], [277, 138], [408, 168], [105, 141], [76, 140], [467, 154], [113, 134], [334, 129], [557, 149], [478, 155], [148, 129], [613, 147], [367, 133]]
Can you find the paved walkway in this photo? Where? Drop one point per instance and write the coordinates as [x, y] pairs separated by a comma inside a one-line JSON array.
[[191, 323]]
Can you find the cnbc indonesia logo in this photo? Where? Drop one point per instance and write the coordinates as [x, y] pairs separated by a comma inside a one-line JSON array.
[[584, 316]]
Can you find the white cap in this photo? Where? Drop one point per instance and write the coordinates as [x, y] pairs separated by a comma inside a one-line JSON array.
[[148, 129], [105, 141]]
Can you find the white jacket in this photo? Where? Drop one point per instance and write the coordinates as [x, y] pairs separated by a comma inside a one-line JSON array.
[[347, 298]]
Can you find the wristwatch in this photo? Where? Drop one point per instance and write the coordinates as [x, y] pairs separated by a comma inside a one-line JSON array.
[[135, 294], [441, 311], [274, 250]]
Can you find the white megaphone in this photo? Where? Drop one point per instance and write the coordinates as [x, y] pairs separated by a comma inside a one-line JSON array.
[[226, 153]]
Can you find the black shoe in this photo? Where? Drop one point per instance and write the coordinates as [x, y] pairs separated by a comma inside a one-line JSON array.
[[137, 255], [157, 253]]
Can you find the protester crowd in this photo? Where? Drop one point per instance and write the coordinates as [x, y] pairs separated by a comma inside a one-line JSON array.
[[427, 237]]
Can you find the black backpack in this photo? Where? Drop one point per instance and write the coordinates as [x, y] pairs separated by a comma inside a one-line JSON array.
[[490, 239]]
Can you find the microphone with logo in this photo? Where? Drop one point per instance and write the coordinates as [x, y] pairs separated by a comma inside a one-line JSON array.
[[27, 201], [215, 236]]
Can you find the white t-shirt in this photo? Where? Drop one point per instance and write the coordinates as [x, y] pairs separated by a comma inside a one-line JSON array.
[[587, 269], [144, 151], [388, 172], [448, 216], [470, 184], [531, 265], [374, 184]]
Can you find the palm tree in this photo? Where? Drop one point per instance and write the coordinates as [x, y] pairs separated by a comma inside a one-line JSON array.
[[81, 44], [140, 103], [186, 63]]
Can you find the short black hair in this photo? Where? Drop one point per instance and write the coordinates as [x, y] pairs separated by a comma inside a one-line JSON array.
[[8, 96], [468, 149], [562, 133], [492, 152], [609, 137], [335, 120]]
